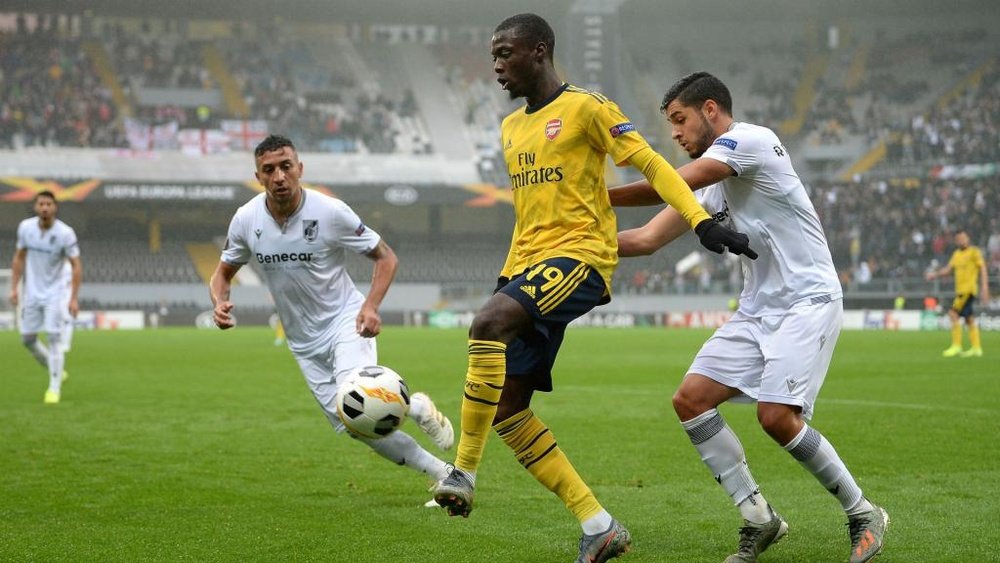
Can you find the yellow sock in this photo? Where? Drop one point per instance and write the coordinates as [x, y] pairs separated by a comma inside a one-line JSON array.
[[974, 336], [956, 334], [536, 449], [483, 385]]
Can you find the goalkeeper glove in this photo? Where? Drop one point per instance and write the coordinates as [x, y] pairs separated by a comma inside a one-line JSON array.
[[717, 238]]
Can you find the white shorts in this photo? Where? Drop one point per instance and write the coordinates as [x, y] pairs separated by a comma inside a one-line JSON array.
[[42, 316], [775, 359], [348, 352]]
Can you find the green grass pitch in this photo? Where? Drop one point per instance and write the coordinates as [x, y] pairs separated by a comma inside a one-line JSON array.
[[187, 445]]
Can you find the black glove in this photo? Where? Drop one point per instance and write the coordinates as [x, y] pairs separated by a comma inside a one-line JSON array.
[[718, 238]]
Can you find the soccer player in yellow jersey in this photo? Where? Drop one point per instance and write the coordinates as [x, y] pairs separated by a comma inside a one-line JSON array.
[[968, 264], [562, 256]]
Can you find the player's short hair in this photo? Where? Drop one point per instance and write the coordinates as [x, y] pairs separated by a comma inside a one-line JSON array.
[[697, 88], [272, 143], [533, 28], [45, 193]]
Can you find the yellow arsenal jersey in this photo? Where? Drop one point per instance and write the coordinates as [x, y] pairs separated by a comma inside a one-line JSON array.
[[967, 264], [555, 157]]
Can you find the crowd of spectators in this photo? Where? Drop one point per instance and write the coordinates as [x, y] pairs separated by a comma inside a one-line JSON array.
[[774, 95], [900, 231], [50, 94], [966, 130], [483, 104], [161, 59]]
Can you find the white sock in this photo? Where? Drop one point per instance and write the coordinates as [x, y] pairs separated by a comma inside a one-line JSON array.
[[55, 363], [816, 454], [67, 335], [722, 452], [597, 523], [401, 449]]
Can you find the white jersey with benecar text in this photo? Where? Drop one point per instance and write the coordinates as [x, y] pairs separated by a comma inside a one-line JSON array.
[[767, 201], [302, 263], [48, 252]]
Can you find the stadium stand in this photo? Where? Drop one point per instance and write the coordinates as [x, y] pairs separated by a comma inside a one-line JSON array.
[[914, 101], [50, 95]]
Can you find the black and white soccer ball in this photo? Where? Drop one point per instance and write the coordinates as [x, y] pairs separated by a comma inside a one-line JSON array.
[[373, 401]]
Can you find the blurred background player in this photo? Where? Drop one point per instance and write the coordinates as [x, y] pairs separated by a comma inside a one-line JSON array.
[[299, 239], [968, 264], [560, 263], [778, 345], [44, 245], [279, 333]]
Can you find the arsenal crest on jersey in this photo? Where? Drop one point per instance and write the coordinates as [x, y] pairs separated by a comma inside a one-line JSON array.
[[552, 128], [310, 229]]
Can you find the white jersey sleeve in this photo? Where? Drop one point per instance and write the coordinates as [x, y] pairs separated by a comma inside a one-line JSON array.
[[22, 233], [740, 150], [72, 245], [350, 231], [236, 251]]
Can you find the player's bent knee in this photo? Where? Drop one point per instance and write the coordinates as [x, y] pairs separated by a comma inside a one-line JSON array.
[[29, 340], [499, 320], [484, 326], [685, 404], [779, 420]]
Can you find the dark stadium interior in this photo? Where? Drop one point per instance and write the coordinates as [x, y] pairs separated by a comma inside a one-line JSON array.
[[892, 125]]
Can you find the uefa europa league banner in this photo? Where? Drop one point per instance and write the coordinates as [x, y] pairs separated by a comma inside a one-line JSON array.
[[22, 190]]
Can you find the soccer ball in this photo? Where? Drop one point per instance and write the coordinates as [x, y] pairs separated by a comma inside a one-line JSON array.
[[372, 401]]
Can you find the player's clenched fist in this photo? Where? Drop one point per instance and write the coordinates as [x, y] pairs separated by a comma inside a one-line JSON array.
[[222, 317], [369, 323]]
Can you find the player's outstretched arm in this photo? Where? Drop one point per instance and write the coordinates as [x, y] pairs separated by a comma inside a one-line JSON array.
[[219, 287], [77, 276], [940, 272], [699, 174], [369, 323], [16, 271], [669, 185], [635, 194], [676, 192], [665, 227], [984, 292]]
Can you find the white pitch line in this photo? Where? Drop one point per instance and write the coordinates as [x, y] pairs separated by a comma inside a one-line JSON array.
[[949, 408]]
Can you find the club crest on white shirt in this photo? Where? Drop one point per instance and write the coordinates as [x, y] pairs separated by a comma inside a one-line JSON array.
[[310, 229]]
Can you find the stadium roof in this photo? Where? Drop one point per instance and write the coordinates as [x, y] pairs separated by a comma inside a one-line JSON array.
[[483, 12]]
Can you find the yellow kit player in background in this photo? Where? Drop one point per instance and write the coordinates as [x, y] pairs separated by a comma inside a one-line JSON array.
[[563, 253], [967, 263]]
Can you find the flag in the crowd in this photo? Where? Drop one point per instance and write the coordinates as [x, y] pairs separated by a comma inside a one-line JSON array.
[[244, 134], [197, 142], [143, 136]]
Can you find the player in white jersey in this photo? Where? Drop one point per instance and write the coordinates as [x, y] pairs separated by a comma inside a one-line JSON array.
[[44, 245], [777, 346], [299, 240]]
